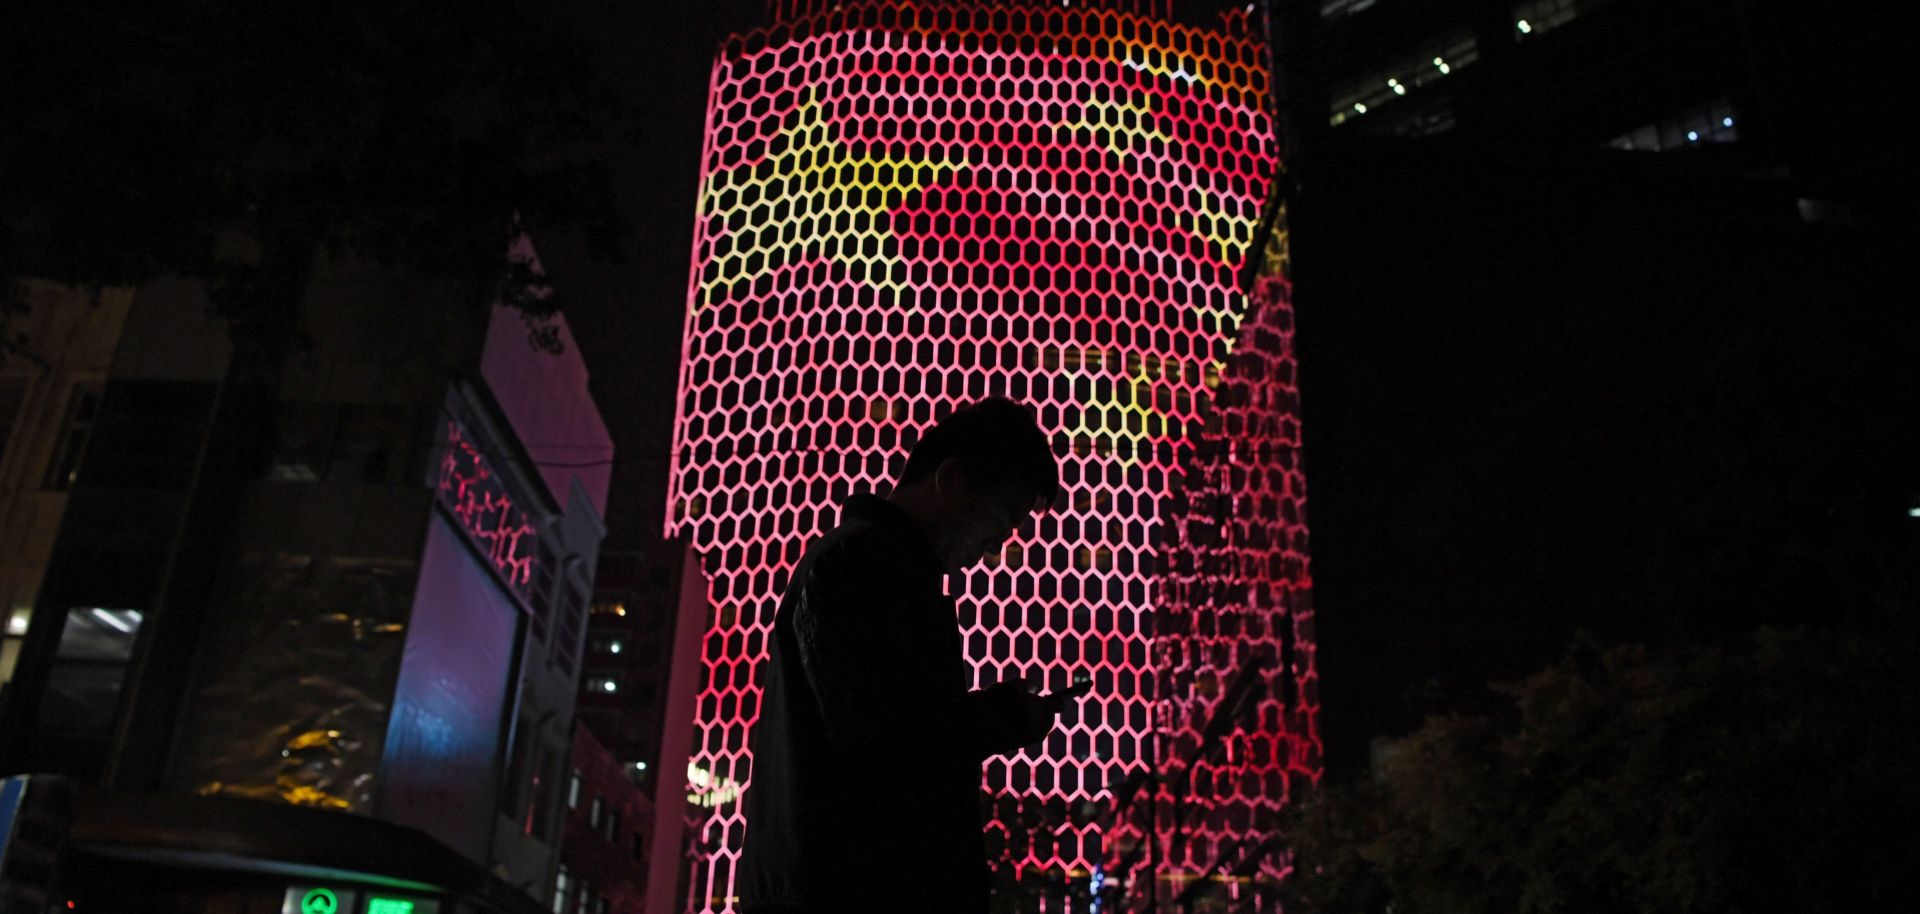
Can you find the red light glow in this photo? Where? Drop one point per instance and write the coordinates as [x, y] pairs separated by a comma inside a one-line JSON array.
[[478, 498], [906, 206]]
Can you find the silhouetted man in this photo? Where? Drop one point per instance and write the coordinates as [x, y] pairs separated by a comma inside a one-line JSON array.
[[867, 752]]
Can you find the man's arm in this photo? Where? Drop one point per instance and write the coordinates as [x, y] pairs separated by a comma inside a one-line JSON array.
[[873, 687], [870, 685]]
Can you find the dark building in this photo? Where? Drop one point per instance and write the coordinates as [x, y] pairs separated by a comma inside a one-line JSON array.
[[609, 823], [1577, 280], [629, 654], [350, 666], [623, 717], [637, 691]]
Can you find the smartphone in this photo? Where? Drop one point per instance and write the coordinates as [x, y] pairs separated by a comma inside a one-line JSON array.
[[1080, 687]]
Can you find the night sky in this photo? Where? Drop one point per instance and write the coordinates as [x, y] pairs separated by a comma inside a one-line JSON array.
[[1547, 392]]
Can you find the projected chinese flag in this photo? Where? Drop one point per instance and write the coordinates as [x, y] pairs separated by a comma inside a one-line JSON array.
[[906, 206]]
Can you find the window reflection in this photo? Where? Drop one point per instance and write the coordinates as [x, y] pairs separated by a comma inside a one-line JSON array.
[[89, 667]]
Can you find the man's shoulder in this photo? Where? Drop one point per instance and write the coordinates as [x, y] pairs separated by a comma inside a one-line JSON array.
[[857, 542]]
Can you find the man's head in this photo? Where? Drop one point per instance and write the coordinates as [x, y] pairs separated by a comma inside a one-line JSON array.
[[975, 477]]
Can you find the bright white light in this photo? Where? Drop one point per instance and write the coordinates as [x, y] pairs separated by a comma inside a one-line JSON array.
[[17, 623], [1398, 89], [1913, 512], [1726, 122], [112, 621], [1524, 27], [608, 686], [1444, 69], [1359, 108], [613, 648], [1693, 135], [640, 765]]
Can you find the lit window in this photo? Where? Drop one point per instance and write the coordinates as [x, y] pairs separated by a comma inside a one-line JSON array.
[[1335, 9], [1535, 17], [573, 790], [1431, 60], [1709, 123], [562, 887], [83, 407]]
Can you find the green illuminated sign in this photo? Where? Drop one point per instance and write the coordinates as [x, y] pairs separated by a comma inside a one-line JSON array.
[[378, 905], [319, 901]]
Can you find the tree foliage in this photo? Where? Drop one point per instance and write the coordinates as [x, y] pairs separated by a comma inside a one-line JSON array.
[[231, 141], [1779, 776]]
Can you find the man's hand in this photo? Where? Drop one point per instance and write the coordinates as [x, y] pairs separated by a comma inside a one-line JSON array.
[[1059, 701], [1037, 712]]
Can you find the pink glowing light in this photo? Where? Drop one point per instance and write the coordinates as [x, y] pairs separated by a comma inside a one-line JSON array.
[[906, 206], [479, 500]]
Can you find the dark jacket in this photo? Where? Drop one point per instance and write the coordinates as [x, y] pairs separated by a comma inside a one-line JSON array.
[[867, 752]]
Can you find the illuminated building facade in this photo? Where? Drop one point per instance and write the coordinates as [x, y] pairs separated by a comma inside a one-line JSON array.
[[906, 206]]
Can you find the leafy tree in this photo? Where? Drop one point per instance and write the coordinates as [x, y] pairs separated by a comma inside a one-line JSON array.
[[1779, 776], [230, 141]]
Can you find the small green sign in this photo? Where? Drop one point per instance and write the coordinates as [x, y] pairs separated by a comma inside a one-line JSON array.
[[319, 901], [378, 905]]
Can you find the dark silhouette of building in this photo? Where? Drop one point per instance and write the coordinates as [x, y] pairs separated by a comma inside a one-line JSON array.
[[1576, 279]]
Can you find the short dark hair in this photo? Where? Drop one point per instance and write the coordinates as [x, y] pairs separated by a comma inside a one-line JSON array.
[[996, 437]]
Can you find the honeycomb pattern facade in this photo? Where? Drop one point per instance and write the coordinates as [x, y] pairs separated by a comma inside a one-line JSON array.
[[1237, 705], [906, 206]]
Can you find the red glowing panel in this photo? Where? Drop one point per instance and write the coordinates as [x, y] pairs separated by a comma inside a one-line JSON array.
[[1237, 709], [905, 207], [479, 500]]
